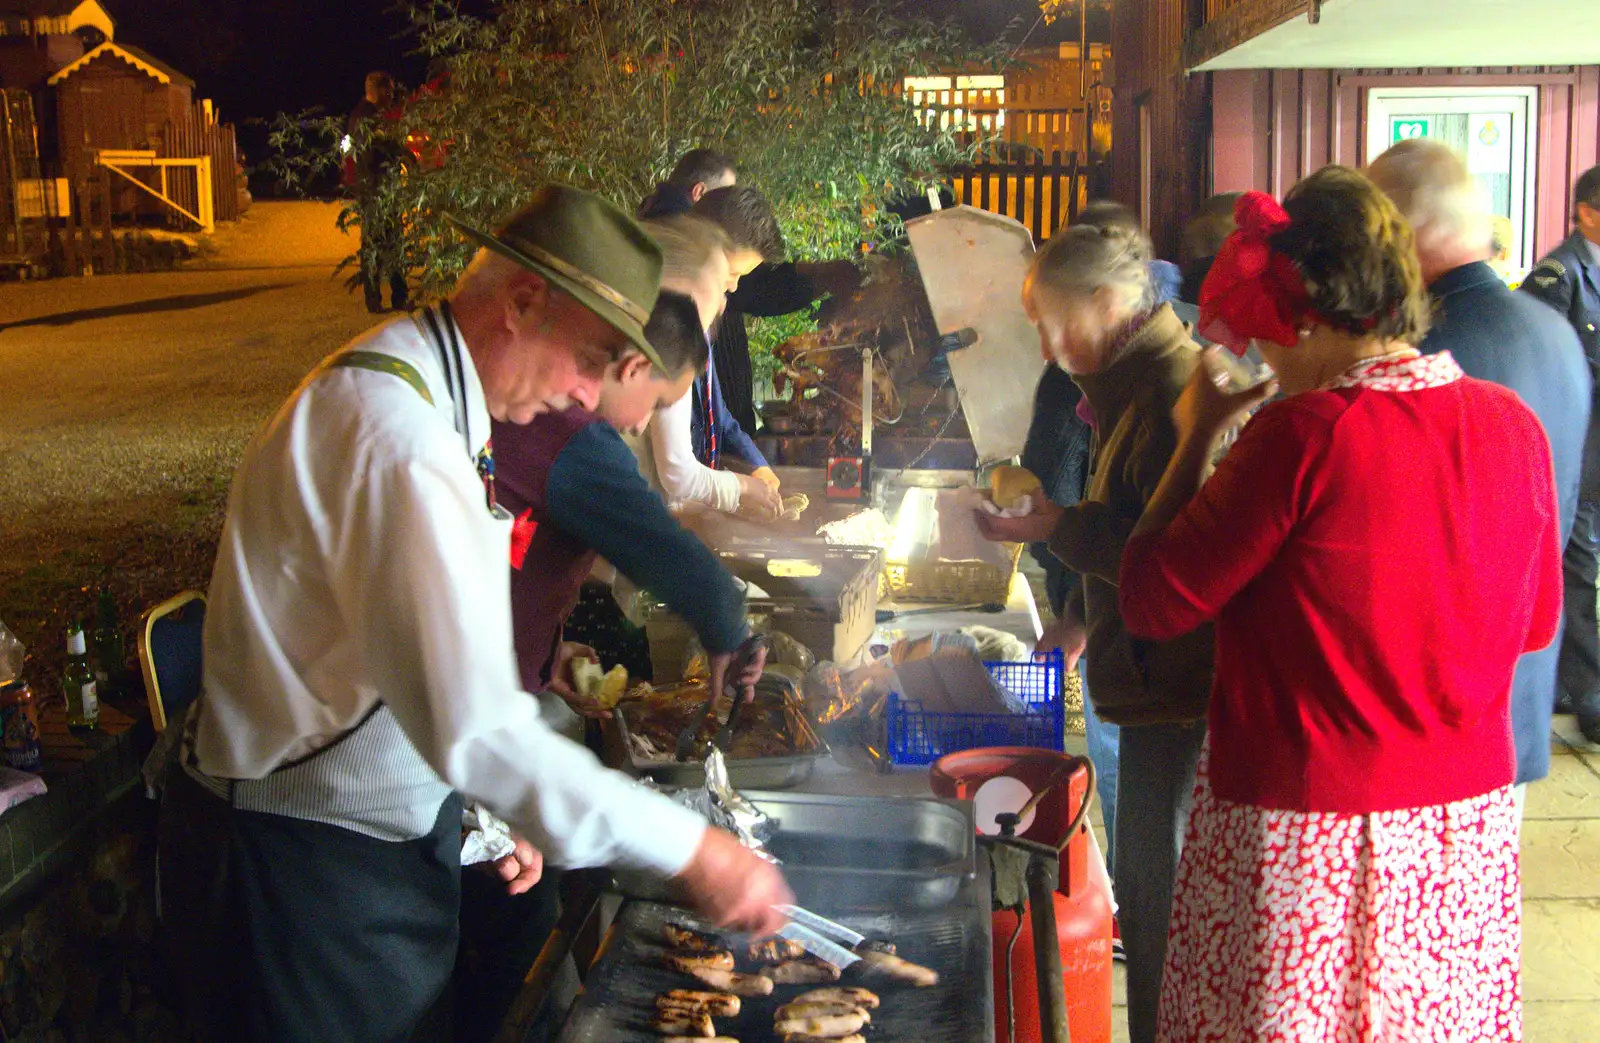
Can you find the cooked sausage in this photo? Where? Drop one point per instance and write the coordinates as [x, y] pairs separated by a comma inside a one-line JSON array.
[[688, 940], [683, 1023], [716, 1004], [819, 1039], [721, 960], [900, 970], [734, 982], [831, 1026], [809, 971], [841, 994], [775, 950], [804, 1009]]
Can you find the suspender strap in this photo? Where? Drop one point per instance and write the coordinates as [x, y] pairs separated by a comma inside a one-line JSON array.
[[378, 362]]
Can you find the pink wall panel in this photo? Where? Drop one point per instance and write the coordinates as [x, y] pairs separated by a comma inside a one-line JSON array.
[[1271, 127]]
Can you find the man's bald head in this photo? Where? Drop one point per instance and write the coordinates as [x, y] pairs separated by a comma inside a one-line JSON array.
[[1430, 184]]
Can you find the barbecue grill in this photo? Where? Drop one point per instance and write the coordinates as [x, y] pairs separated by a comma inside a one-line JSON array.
[[941, 922], [619, 994]]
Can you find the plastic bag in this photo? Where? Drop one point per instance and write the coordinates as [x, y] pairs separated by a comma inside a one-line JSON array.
[[11, 655]]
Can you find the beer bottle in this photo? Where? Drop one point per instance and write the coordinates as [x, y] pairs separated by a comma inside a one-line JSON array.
[[83, 699], [107, 643]]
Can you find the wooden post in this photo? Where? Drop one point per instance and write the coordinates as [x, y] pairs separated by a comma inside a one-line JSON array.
[[1038, 197], [108, 241], [1077, 172]]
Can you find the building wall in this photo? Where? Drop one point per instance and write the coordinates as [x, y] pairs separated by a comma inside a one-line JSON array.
[[1272, 127], [1147, 49], [29, 61], [109, 104]]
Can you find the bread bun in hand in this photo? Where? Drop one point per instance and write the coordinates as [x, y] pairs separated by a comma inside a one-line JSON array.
[[1008, 485]]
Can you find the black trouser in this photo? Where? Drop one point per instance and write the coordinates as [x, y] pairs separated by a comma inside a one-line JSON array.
[[281, 930], [501, 936], [383, 250], [1580, 641]]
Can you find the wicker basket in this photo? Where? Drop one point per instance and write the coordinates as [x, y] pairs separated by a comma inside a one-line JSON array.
[[952, 582]]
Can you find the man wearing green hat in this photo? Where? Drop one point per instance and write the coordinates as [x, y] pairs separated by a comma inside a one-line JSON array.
[[359, 679]]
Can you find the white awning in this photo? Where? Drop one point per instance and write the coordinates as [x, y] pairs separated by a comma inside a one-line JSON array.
[[1410, 34]]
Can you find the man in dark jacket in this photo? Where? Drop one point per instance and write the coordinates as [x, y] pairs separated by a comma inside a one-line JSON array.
[[1497, 335], [1569, 281]]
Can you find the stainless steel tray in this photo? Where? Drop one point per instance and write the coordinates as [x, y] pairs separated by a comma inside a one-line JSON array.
[[620, 990], [859, 853], [871, 852], [768, 773]]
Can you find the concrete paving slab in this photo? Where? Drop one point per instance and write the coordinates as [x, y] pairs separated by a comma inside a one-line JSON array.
[[1561, 953], [1560, 1021], [1561, 859], [1572, 791], [1568, 739]]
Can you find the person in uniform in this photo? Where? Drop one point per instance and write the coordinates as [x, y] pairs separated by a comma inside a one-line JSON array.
[[1569, 281], [359, 678]]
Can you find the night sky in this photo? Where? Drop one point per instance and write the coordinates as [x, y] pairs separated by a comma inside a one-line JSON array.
[[256, 58]]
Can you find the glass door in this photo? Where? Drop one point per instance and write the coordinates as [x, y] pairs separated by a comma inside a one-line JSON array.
[[1494, 130]]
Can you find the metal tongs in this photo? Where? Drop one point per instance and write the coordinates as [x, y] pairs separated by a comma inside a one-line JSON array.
[[821, 937], [747, 653]]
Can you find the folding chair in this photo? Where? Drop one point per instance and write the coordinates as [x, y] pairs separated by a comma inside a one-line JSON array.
[[169, 656]]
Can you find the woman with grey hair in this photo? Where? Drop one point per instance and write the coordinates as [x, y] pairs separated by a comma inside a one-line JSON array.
[[1090, 295]]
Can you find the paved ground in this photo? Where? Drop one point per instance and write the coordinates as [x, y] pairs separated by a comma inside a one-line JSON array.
[[124, 402]]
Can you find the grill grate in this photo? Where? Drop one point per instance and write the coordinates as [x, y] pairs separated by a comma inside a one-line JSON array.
[[619, 995]]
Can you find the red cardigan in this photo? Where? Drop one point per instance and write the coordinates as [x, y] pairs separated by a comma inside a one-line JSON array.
[[1375, 562]]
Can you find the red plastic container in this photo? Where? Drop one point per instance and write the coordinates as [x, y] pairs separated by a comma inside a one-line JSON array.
[[1083, 902]]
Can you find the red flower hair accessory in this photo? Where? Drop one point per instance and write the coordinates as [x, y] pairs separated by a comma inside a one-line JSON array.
[[1253, 291]]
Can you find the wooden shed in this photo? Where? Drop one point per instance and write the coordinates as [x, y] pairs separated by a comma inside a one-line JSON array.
[[116, 97]]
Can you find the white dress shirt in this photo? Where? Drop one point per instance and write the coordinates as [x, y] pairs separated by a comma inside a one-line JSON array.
[[359, 562], [684, 479]]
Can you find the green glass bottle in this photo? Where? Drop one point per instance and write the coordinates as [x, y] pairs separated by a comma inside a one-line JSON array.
[[107, 644], [78, 683]]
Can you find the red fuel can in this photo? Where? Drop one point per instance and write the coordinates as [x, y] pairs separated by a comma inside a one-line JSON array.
[[1083, 901]]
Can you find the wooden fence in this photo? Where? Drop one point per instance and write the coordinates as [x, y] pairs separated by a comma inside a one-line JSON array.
[[199, 134], [1045, 193], [78, 239]]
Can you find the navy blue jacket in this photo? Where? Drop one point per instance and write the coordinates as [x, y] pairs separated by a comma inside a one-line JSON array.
[[732, 439], [1510, 339], [1569, 281]]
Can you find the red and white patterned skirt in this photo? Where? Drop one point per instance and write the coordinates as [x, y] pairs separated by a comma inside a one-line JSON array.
[[1396, 926]]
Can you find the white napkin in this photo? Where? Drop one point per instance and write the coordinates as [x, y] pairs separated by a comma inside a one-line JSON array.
[[486, 838]]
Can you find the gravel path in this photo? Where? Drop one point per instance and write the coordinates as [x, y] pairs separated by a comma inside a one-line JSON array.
[[125, 401]]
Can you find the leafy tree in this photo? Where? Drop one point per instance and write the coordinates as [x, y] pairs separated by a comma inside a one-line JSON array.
[[606, 94]]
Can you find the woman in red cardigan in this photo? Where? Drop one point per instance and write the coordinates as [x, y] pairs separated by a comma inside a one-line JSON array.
[[1376, 551]]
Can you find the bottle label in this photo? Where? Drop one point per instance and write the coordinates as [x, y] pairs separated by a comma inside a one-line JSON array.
[[75, 643], [91, 700]]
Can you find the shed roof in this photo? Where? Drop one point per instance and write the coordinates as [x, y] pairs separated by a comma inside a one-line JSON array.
[[68, 15], [137, 57]]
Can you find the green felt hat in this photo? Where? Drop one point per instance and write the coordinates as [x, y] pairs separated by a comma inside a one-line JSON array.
[[590, 249]]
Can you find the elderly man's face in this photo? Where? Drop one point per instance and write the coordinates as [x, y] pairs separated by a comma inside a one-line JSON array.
[[555, 354]]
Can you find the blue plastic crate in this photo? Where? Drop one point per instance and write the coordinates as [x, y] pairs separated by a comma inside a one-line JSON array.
[[918, 736]]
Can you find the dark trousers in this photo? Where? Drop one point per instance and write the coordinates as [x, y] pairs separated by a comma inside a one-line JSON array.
[[382, 254], [281, 930], [1579, 671], [501, 936]]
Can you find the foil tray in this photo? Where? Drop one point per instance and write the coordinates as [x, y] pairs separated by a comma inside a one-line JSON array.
[[619, 993]]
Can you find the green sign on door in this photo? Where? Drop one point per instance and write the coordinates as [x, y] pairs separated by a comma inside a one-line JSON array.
[[1405, 128]]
